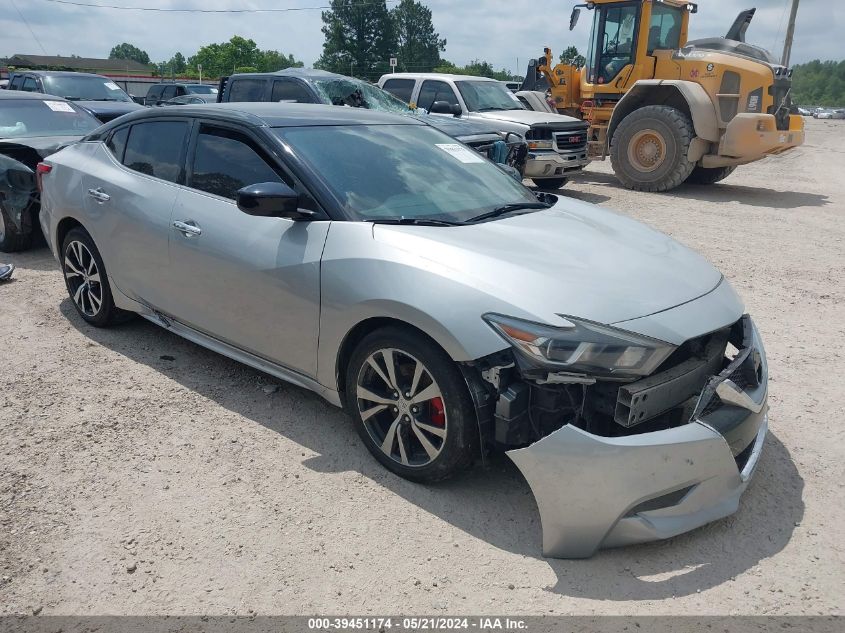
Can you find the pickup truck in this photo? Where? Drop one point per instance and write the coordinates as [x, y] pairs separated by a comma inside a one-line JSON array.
[[557, 144], [310, 85]]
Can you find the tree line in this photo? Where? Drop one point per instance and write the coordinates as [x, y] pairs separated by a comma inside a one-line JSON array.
[[819, 83], [360, 40]]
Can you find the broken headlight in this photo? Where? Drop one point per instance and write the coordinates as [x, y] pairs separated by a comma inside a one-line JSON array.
[[584, 347]]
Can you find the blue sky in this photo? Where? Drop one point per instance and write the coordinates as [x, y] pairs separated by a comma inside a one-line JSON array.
[[503, 32]]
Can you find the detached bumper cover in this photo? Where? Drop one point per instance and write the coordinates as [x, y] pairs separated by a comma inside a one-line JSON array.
[[595, 492]]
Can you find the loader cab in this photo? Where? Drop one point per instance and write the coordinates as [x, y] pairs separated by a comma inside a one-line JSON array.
[[624, 37]]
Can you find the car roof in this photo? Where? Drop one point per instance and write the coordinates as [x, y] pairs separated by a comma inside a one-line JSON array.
[[303, 73], [55, 73], [436, 76], [272, 115], [22, 94]]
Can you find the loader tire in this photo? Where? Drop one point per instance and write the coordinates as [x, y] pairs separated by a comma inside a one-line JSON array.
[[709, 175], [649, 149]]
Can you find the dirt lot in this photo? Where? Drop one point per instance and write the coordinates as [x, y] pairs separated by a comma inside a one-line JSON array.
[[142, 474]]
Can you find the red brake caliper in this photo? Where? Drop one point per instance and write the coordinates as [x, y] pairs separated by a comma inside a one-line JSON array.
[[438, 412]]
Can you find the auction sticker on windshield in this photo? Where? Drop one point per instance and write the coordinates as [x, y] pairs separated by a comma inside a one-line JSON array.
[[461, 153], [59, 106], [112, 86]]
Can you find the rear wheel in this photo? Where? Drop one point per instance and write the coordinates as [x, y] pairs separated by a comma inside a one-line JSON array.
[[11, 239], [549, 184], [87, 282], [410, 405], [709, 175], [650, 147]]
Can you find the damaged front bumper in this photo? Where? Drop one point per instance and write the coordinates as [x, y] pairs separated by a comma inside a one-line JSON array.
[[594, 491]]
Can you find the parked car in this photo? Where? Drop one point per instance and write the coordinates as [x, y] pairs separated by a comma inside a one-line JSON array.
[[309, 85], [450, 310], [159, 93], [838, 114], [32, 126], [99, 95], [557, 144], [190, 100], [535, 100]]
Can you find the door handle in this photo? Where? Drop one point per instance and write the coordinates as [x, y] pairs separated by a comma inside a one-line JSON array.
[[187, 228], [99, 195]]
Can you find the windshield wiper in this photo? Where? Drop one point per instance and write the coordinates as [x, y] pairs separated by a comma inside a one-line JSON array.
[[508, 208], [71, 98], [417, 222]]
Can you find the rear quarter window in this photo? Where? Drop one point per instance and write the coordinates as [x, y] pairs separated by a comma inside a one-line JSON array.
[[247, 90], [401, 88]]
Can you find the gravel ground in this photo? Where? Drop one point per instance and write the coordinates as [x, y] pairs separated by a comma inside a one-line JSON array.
[[141, 474]]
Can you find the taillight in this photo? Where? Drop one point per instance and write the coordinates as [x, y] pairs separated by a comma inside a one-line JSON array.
[[40, 170]]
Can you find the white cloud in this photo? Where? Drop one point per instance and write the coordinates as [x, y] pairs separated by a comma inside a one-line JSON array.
[[499, 31]]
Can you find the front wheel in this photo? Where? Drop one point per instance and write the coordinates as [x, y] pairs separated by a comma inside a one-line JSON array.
[[410, 405], [709, 175], [549, 184], [649, 150]]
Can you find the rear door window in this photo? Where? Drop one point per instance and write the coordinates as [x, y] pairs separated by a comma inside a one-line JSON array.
[[226, 160], [169, 93], [401, 88], [156, 148], [29, 85], [432, 91], [247, 90], [290, 90], [117, 142]]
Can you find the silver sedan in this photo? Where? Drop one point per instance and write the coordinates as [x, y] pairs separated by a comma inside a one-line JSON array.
[[450, 310]]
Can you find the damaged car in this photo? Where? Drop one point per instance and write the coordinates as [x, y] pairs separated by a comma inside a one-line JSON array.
[[32, 126], [449, 309]]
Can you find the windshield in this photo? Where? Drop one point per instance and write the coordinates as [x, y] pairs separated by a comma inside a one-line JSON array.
[[358, 94], [199, 89], [84, 88], [25, 118], [389, 172], [483, 96]]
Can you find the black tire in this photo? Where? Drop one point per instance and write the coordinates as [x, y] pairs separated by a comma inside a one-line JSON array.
[[459, 421], [11, 239], [105, 313], [672, 166], [549, 184], [709, 175]]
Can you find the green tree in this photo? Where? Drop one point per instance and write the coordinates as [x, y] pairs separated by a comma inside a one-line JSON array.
[[129, 51], [226, 57], [418, 45], [178, 64], [819, 83], [477, 68], [359, 38], [571, 54]]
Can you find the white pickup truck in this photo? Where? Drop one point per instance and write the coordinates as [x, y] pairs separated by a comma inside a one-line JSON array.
[[557, 144]]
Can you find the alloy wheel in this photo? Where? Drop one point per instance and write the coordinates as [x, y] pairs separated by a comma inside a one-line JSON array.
[[402, 407], [83, 278]]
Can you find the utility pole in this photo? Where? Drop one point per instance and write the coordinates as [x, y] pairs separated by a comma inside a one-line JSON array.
[[790, 33]]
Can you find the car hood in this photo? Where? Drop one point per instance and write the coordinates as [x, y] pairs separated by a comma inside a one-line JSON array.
[[455, 127], [43, 145], [527, 117], [573, 259], [108, 110]]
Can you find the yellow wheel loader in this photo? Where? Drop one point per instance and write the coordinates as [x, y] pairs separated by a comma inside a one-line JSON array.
[[667, 110]]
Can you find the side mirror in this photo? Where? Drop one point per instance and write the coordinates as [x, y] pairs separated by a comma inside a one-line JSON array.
[[272, 200], [444, 107], [573, 19]]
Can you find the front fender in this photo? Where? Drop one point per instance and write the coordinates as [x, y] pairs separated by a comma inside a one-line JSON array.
[[390, 283]]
